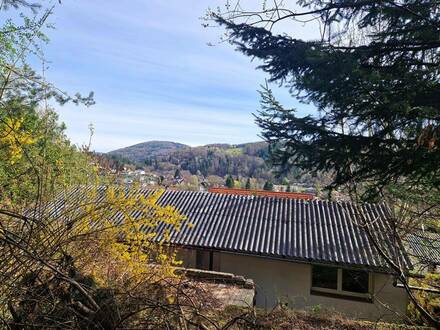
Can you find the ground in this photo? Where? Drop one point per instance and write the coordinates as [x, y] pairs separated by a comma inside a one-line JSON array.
[[284, 319]]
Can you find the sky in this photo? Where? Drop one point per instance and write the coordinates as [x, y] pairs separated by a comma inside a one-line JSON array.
[[153, 74]]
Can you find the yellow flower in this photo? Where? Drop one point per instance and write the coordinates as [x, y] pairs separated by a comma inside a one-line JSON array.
[[15, 138]]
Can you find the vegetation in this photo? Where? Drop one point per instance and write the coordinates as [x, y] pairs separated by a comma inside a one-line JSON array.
[[212, 164], [377, 91], [34, 148], [374, 77], [268, 186], [230, 182], [73, 270], [80, 252], [315, 318], [221, 160], [146, 151], [429, 300], [66, 262]]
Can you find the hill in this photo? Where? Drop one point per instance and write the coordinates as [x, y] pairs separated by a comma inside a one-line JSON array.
[[138, 153], [212, 163], [246, 160]]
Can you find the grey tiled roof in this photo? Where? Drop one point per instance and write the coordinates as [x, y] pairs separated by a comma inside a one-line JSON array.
[[425, 246], [312, 231]]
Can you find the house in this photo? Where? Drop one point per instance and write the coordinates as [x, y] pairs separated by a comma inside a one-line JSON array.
[[251, 192], [300, 253], [424, 249]]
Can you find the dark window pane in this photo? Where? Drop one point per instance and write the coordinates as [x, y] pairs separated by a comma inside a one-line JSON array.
[[203, 260], [355, 281], [325, 277]]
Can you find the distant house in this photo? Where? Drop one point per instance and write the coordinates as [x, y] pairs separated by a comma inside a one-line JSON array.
[[424, 250], [300, 253], [251, 192]]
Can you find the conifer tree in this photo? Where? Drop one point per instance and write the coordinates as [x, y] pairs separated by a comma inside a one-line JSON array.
[[230, 182], [248, 184], [268, 186], [374, 77]]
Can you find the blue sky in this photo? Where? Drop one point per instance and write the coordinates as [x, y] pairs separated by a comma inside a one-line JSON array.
[[153, 74]]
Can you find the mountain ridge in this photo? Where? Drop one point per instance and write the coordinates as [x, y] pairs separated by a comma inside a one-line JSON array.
[[140, 152]]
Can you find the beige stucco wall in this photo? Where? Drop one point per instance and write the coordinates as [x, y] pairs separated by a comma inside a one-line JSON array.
[[289, 282]]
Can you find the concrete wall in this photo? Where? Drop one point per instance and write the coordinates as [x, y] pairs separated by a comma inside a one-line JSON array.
[[290, 283]]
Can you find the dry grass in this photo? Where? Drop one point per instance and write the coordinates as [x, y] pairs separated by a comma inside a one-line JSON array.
[[288, 319]]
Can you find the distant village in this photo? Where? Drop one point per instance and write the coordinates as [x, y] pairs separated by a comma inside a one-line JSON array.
[[184, 180]]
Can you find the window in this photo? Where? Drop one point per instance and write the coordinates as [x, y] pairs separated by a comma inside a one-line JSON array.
[[204, 260], [331, 281], [355, 281], [325, 277]]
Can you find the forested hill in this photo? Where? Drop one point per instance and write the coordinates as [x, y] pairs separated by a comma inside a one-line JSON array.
[[140, 152], [246, 160], [214, 162]]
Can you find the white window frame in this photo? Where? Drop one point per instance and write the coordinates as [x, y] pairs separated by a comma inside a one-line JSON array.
[[339, 290]]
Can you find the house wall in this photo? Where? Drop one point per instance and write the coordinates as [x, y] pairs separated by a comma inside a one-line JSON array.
[[289, 282]]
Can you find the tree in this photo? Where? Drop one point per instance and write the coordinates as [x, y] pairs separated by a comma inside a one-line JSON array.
[[374, 77], [160, 180], [194, 183], [248, 184], [74, 260], [268, 186], [288, 189], [7, 4], [65, 262], [230, 182], [33, 145]]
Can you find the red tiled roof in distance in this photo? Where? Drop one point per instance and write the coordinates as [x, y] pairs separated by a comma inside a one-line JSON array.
[[277, 194]]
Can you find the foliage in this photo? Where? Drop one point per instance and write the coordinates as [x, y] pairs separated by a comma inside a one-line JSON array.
[[7, 4], [111, 162], [374, 78], [86, 258], [14, 139], [282, 318], [230, 183], [20, 41], [177, 174], [62, 263], [141, 152], [77, 252], [429, 300], [35, 154], [249, 160], [268, 186], [36, 157]]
